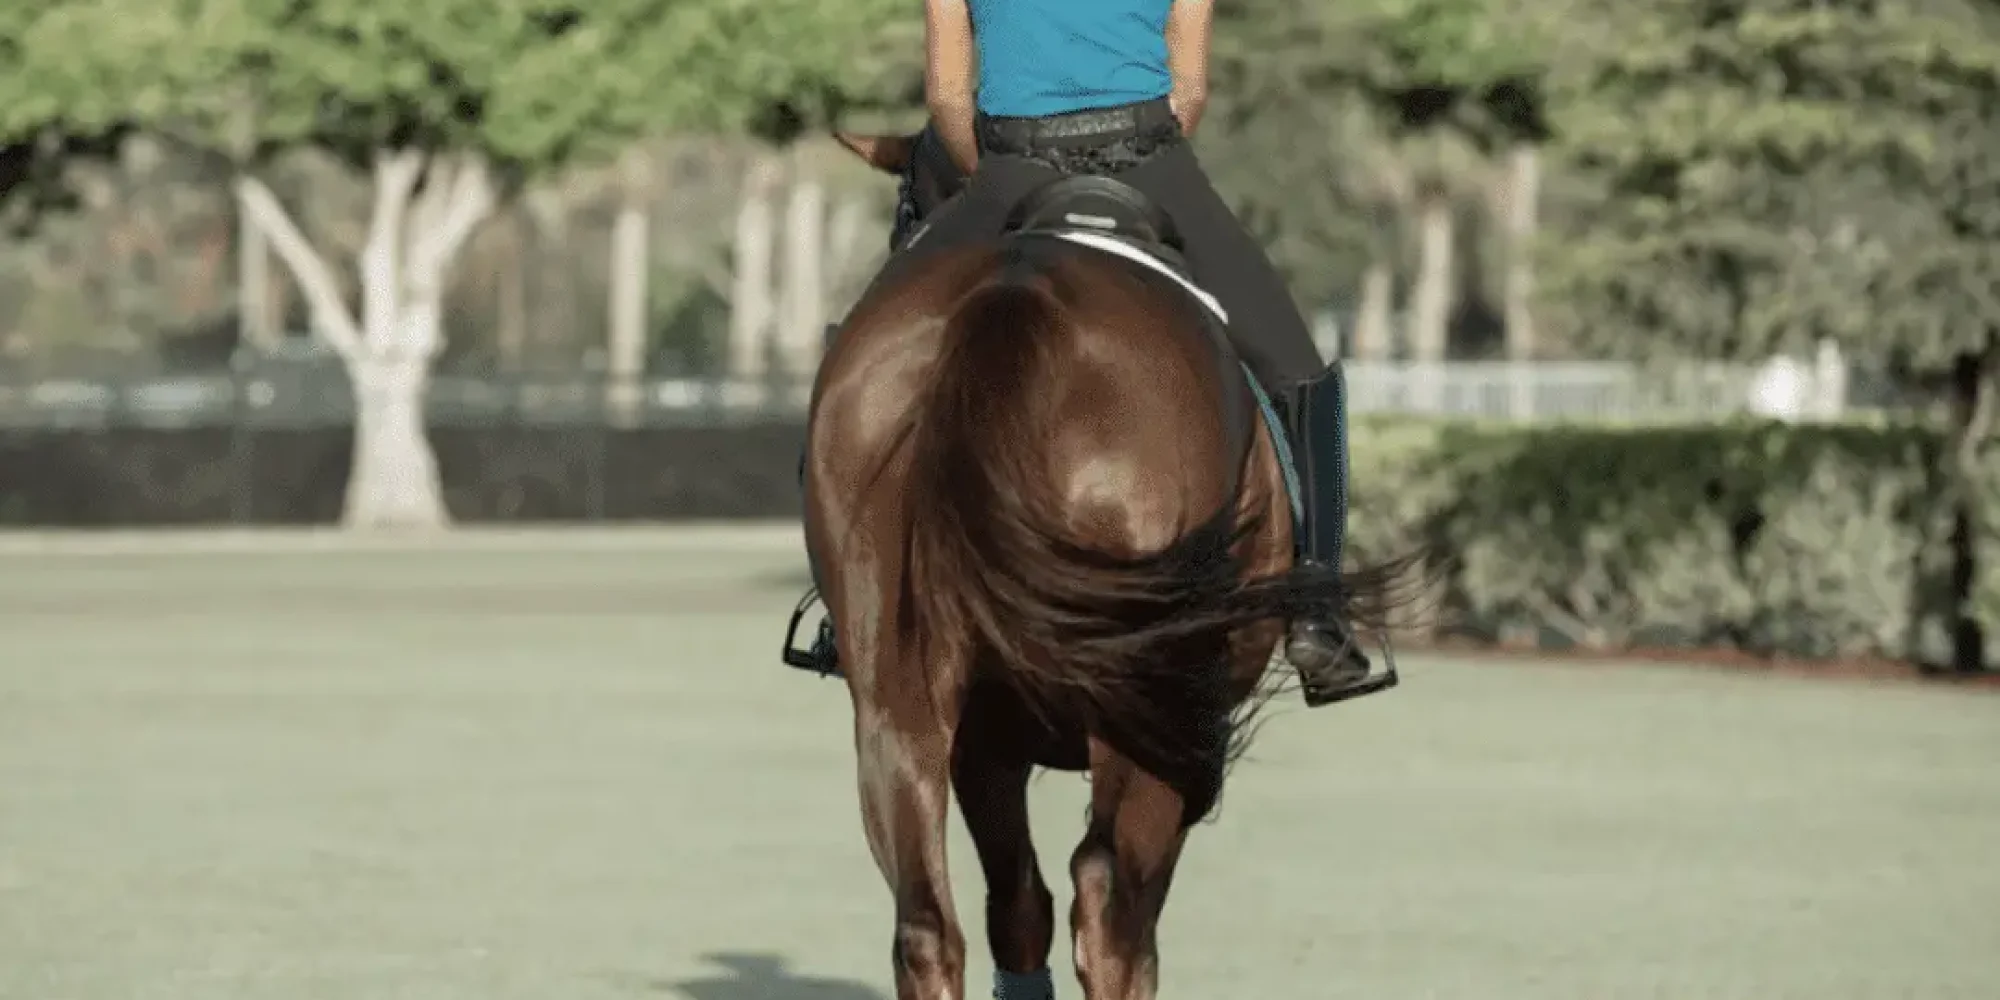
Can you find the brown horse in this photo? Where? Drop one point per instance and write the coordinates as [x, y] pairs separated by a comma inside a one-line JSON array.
[[1050, 530]]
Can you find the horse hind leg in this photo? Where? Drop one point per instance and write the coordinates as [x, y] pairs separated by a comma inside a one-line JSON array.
[[992, 789], [1122, 870], [904, 754]]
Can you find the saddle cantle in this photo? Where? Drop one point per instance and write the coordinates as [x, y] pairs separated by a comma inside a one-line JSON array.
[[1115, 218], [1093, 204]]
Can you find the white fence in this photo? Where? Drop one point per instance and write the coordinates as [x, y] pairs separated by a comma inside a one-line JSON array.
[[1544, 391], [1597, 391]]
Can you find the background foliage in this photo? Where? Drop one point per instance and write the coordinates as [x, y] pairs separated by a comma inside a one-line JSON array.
[[1808, 541]]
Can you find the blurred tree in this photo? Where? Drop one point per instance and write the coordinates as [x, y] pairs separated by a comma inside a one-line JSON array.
[[1761, 170], [1769, 174], [1280, 129], [1377, 117], [1461, 81], [449, 104]]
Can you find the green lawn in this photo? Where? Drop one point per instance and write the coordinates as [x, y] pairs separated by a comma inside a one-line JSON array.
[[561, 772]]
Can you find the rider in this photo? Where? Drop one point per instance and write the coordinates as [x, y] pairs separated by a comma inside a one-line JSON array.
[[1020, 90]]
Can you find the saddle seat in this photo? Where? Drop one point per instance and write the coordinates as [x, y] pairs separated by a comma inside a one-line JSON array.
[[1090, 204]]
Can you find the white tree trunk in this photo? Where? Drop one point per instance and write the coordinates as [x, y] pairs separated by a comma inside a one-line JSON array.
[[554, 314], [511, 288], [847, 255], [631, 265], [414, 235], [395, 481], [850, 261], [1430, 319], [255, 320], [1378, 304], [804, 297], [751, 309], [1520, 207]]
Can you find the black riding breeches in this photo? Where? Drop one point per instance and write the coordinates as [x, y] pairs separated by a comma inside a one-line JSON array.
[[1264, 323], [978, 212], [1265, 326]]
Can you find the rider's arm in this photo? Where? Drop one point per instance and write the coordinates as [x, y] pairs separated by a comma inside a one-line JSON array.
[[951, 78], [1189, 25]]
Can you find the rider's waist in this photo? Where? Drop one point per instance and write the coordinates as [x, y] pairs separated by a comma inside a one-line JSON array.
[[1077, 128]]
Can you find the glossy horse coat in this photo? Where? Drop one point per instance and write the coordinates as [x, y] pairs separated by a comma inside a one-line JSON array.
[[1050, 532]]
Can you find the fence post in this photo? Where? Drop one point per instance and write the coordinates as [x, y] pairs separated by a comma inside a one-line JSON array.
[[631, 269], [242, 449], [596, 456], [1520, 390]]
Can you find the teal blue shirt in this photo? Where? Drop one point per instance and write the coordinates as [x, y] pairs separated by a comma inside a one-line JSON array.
[[1049, 57]]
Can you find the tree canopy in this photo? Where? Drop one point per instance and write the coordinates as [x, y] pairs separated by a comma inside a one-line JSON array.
[[531, 85], [1763, 174], [1723, 179]]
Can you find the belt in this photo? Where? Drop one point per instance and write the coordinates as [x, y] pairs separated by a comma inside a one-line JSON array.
[[1101, 141], [1075, 127]]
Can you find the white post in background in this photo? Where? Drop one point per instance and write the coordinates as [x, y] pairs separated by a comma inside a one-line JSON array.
[[1432, 300], [254, 320], [850, 259], [751, 310], [554, 308], [1374, 318], [1830, 379], [631, 266], [1522, 199], [1779, 389], [803, 306], [510, 306], [1520, 390], [1326, 334]]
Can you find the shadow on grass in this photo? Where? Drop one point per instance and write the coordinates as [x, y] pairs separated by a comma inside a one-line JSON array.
[[763, 977]]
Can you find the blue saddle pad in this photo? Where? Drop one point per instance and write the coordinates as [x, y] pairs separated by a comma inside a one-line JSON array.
[[1282, 444]]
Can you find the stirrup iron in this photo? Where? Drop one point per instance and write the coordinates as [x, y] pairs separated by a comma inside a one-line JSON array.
[[818, 658], [1358, 687]]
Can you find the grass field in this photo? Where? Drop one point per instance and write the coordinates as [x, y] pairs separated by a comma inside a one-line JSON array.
[[570, 768]]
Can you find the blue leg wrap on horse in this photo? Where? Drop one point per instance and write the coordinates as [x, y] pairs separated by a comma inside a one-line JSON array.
[[1023, 985]]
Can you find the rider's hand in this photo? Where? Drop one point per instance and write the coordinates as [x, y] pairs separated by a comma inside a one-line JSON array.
[[1182, 113]]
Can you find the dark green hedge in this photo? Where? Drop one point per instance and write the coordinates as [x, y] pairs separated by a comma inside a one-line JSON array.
[[127, 477], [1811, 541]]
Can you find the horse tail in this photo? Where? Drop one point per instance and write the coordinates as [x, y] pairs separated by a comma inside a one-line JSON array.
[[1135, 646]]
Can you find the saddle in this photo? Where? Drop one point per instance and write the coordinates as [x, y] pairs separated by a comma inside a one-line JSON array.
[[1089, 203]]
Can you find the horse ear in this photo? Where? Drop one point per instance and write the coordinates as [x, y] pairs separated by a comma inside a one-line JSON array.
[[887, 153]]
